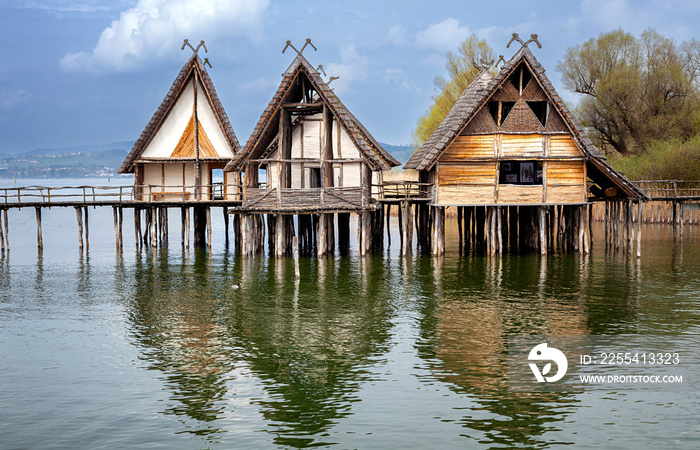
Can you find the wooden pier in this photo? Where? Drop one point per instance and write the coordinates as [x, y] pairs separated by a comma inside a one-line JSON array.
[[149, 203]]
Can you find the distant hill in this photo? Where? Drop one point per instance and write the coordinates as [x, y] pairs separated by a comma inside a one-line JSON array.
[[121, 145], [97, 160], [400, 152], [96, 163]]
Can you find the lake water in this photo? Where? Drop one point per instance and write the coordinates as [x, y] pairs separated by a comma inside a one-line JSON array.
[[173, 349]]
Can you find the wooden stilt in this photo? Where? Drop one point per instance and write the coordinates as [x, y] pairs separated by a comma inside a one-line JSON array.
[[226, 222], [281, 235], [39, 237], [137, 226], [2, 234], [408, 237], [79, 216], [120, 210], [388, 227], [116, 226], [87, 231], [439, 229], [639, 231], [7, 231], [295, 246], [459, 227], [208, 218], [154, 227], [237, 233], [542, 228], [322, 244]]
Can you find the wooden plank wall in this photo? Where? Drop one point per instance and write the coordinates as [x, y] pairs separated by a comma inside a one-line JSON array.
[[566, 182]]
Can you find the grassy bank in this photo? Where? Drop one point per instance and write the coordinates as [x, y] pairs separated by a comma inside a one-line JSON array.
[[662, 160]]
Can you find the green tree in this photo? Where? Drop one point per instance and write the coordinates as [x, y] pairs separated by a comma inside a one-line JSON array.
[[635, 90], [462, 69]]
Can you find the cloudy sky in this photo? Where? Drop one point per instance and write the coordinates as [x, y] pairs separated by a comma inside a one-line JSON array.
[[78, 72]]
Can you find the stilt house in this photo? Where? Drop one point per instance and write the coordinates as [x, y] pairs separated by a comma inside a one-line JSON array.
[[308, 156], [519, 170], [188, 139]]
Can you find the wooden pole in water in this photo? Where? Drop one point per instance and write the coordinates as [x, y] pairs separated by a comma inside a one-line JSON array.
[[208, 216], [39, 237], [295, 246], [2, 234], [187, 228], [137, 226], [388, 224], [408, 238], [79, 217], [543, 231], [183, 226], [639, 231], [7, 231], [322, 243], [115, 214], [154, 227], [226, 220], [87, 231], [121, 228]]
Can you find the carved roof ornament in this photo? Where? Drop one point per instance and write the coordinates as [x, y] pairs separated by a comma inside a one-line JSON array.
[[196, 50], [299, 52], [501, 59], [533, 38]]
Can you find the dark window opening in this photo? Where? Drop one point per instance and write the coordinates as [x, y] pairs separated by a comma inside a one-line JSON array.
[[540, 111], [506, 108], [520, 172], [314, 177], [520, 78], [493, 109], [500, 116]]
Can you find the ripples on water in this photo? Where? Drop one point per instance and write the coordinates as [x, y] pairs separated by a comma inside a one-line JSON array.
[[207, 350]]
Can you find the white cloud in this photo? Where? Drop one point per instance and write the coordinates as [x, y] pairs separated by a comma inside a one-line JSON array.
[[352, 67], [398, 78], [11, 98], [155, 29], [396, 35], [443, 36]]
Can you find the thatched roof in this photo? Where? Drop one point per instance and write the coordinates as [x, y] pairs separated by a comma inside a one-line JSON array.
[[194, 64], [481, 90], [267, 127]]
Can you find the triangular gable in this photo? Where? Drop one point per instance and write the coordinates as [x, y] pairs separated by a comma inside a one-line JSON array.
[[185, 147], [484, 88], [268, 125], [212, 107]]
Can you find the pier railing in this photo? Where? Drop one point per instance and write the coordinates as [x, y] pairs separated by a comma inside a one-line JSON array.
[[63, 195], [403, 189], [670, 189]]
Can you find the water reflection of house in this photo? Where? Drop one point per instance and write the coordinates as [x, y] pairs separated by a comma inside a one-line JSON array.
[[470, 325], [310, 157], [511, 158]]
